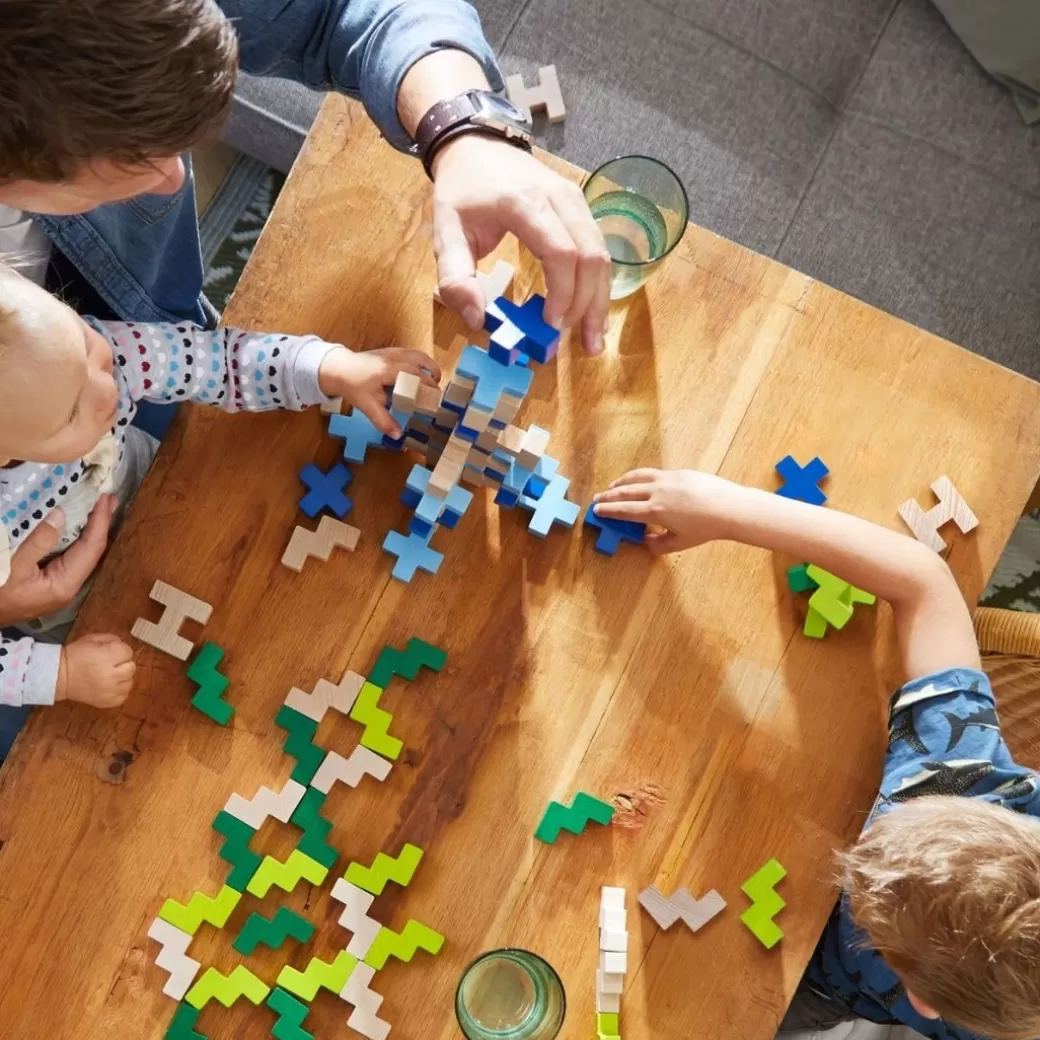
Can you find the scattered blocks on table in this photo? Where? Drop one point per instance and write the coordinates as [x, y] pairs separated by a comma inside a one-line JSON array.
[[367, 712], [325, 490], [209, 698], [406, 663], [573, 818], [307, 816], [317, 975], [611, 533], [413, 553], [235, 850], [299, 744], [414, 936], [285, 875], [227, 988], [760, 888], [213, 910], [281, 805], [291, 1016], [800, 482], [546, 94], [798, 579], [339, 696], [358, 432], [400, 869], [273, 931], [951, 506], [694, 913], [361, 762], [173, 957], [320, 542], [366, 1003], [165, 635]]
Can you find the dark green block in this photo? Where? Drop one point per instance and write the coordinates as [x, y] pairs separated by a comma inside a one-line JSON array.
[[315, 827], [236, 850], [300, 743], [209, 698], [798, 579], [272, 931], [182, 1024], [406, 663], [291, 1014]]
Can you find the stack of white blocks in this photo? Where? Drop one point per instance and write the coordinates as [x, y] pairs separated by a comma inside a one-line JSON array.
[[613, 950]]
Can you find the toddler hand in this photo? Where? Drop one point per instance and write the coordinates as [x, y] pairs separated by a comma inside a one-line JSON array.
[[688, 504], [362, 378], [97, 670]]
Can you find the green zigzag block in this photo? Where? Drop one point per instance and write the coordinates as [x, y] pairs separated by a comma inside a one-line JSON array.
[[406, 663], [291, 1014], [318, 974], [798, 579], [414, 936], [315, 827], [236, 850], [300, 743], [574, 819], [227, 988], [272, 931], [182, 1024], [201, 908], [765, 903], [366, 711], [385, 868], [209, 698], [285, 875]]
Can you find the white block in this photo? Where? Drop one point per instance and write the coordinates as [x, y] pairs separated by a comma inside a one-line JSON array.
[[613, 963], [173, 957], [608, 1003], [614, 920], [613, 940], [350, 771], [609, 982], [612, 898], [265, 802]]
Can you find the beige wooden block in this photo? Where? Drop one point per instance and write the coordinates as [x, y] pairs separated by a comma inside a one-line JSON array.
[[506, 409], [545, 94], [951, 506], [406, 392], [446, 417], [333, 407], [164, 635], [535, 444], [512, 439], [488, 440], [320, 543], [446, 474], [458, 394], [339, 696], [476, 419], [428, 400]]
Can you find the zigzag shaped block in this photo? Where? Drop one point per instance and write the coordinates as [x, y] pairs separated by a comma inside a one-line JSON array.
[[366, 1003], [356, 903], [574, 819], [315, 828], [281, 804], [199, 908], [286, 875], [340, 696], [765, 903], [407, 662], [414, 936], [182, 1024], [210, 696], [350, 770], [236, 850], [319, 543], [173, 957], [695, 913], [227, 988], [300, 743], [291, 1015], [318, 975], [272, 931], [385, 868], [367, 712]]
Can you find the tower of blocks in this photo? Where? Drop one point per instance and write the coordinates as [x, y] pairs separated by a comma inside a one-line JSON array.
[[613, 961], [466, 434]]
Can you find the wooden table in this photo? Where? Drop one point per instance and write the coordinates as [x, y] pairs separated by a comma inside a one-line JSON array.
[[680, 689]]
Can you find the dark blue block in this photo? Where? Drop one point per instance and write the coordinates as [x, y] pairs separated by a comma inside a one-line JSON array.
[[450, 519], [494, 475], [506, 498], [411, 498], [501, 355], [420, 527], [611, 533], [535, 487], [800, 481], [325, 490], [391, 443], [466, 433], [459, 408], [540, 340]]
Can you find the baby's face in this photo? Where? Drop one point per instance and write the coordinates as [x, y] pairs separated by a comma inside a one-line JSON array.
[[58, 394]]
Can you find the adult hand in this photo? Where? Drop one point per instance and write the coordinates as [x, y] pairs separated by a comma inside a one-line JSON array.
[[484, 188], [33, 590]]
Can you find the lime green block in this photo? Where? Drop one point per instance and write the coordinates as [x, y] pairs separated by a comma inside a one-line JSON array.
[[414, 936], [366, 711], [815, 625], [227, 988], [317, 975], [285, 875], [385, 868], [201, 908], [607, 1023]]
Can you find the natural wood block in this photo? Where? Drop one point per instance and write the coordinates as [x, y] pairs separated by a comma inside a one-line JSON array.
[[951, 506], [164, 635], [545, 94], [319, 543]]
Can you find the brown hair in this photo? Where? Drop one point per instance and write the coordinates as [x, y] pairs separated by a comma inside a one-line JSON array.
[[947, 889], [127, 80]]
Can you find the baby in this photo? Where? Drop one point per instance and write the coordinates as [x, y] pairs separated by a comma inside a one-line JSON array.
[[69, 389]]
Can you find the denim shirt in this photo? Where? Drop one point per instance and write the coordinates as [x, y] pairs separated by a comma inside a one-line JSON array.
[[143, 256]]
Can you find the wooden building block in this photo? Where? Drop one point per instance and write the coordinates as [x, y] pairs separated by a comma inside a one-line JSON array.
[[609, 982], [320, 543], [535, 444], [951, 506], [546, 94], [609, 1003], [164, 635], [406, 392], [512, 439], [332, 407], [428, 400], [613, 962]]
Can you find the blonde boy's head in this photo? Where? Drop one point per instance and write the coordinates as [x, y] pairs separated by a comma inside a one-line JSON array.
[[948, 891]]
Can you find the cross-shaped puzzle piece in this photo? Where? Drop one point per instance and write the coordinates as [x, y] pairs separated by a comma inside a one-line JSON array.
[[540, 340], [800, 481], [492, 378], [358, 432], [553, 507], [611, 533], [325, 490], [413, 553]]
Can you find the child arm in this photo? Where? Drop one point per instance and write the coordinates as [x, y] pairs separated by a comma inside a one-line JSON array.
[[933, 623]]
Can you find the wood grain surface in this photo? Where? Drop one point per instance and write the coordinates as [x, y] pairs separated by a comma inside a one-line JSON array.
[[679, 689]]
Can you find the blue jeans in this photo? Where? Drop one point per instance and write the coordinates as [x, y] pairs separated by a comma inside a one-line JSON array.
[[11, 722]]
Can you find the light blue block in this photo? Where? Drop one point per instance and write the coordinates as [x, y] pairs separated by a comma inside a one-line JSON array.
[[546, 469], [430, 505], [413, 553], [553, 508], [357, 431], [492, 377]]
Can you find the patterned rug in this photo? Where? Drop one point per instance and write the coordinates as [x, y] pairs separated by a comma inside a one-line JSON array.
[[1016, 581]]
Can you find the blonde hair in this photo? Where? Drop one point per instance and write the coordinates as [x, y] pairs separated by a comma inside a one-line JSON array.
[[947, 889]]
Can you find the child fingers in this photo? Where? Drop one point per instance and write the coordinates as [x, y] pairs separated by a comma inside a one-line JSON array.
[[624, 509], [376, 410], [635, 476], [425, 377], [417, 360], [660, 543], [624, 493]]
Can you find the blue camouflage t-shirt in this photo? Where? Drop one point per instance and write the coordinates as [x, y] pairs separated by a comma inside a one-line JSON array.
[[944, 738]]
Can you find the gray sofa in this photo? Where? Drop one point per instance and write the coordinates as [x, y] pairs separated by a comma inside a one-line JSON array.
[[855, 140]]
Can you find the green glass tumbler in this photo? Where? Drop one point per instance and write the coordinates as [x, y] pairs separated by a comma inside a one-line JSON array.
[[510, 995], [641, 207]]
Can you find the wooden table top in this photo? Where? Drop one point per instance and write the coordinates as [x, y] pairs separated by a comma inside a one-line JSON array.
[[680, 689]]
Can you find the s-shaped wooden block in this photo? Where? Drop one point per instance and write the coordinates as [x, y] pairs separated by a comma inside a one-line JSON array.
[[952, 506], [320, 543], [179, 605], [546, 95]]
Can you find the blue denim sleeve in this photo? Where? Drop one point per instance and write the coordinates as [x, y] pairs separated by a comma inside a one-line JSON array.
[[359, 47]]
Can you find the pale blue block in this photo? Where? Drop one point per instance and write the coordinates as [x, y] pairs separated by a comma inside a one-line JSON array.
[[546, 469], [553, 508], [413, 553], [492, 377], [357, 431], [418, 478]]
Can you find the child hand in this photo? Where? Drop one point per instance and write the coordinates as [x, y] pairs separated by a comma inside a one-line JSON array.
[[362, 378], [97, 670], [688, 504]]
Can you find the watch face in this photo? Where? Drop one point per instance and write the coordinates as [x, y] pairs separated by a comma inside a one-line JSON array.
[[498, 111]]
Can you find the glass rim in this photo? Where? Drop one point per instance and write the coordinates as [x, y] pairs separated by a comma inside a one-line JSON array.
[[682, 190], [507, 949]]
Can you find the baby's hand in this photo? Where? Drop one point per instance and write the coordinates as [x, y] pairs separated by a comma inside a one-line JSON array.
[[97, 670], [362, 378], [688, 504]]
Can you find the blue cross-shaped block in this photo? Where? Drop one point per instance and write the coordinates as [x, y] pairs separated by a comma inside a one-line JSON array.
[[539, 481], [611, 533], [325, 490], [553, 507], [492, 377], [800, 481], [430, 508], [358, 432], [540, 340], [413, 553]]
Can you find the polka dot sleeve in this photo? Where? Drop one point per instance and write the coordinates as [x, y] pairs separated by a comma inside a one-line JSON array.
[[28, 671], [231, 368]]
